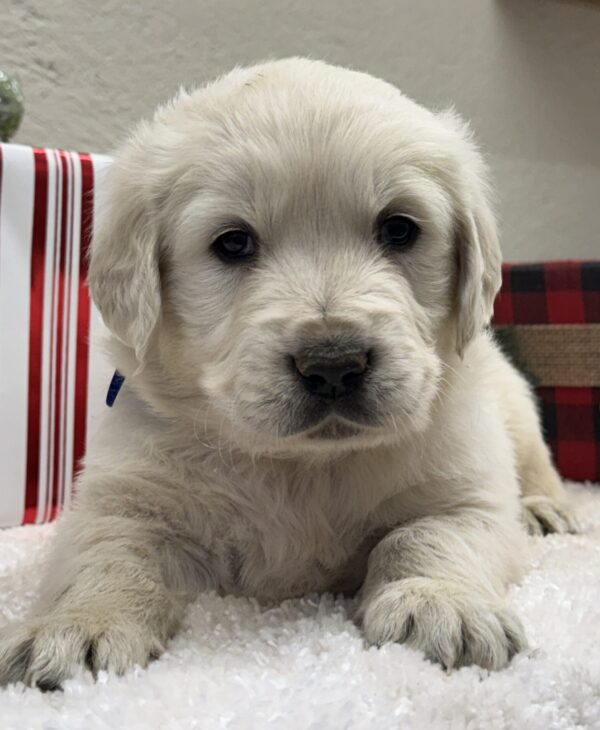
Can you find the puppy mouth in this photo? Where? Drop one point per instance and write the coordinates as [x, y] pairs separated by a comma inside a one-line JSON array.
[[345, 418], [334, 427]]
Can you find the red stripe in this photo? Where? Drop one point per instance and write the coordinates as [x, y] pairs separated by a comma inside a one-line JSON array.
[[62, 275], [51, 439], [30, 515], [69, 277], [36, 319], [83, 313]]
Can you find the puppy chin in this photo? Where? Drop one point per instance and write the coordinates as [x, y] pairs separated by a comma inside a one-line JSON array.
[[325, 441], [334, 428], [334, 435]]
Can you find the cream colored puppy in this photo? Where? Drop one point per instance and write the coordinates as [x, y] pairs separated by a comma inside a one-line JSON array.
[[297, 264]]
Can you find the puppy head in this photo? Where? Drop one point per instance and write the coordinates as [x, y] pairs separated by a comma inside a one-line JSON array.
[[291, 254]]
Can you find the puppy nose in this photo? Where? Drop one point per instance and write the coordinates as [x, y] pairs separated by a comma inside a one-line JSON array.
[[332, 377]]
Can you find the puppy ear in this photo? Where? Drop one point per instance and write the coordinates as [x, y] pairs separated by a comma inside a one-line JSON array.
[[123, 274], [479, 270], [477, 247]]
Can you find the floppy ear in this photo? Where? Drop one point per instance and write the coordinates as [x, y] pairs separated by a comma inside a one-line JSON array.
[[478, 254], [123, 274], [479, 268], [477, 247]]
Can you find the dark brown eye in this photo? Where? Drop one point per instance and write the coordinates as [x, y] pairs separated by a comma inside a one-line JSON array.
[[398, 231], [236, 245]]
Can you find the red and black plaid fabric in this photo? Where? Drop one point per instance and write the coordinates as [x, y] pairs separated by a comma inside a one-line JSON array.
[[571, 419], [556, 292], [560, 293]]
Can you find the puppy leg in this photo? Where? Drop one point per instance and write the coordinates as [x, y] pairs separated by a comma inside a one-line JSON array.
[[544, 500], [436, 584], [107, 603]]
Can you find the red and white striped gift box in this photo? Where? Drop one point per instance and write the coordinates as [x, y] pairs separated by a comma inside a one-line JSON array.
[[52, 380]]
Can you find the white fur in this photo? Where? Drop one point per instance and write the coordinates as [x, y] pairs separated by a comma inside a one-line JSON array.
[[215, 470], [302, 664]]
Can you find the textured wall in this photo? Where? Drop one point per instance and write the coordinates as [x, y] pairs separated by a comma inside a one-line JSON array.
[[526, 72]]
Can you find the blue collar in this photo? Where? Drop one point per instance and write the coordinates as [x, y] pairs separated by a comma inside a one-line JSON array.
[[114, 388]]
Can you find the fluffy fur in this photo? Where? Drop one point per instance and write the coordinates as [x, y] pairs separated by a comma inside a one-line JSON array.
[[217, 469]]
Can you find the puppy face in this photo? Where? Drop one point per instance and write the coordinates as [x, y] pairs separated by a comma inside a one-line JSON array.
[[296, 251]]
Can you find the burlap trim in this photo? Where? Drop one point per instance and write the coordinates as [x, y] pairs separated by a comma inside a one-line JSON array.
[[559, 354]]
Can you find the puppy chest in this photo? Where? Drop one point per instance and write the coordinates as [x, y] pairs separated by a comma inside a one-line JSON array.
[[294, 532], [278, 564]]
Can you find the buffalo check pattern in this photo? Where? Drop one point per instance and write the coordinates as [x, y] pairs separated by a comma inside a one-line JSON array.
[[555, 292], [53, 378], [559, 293]]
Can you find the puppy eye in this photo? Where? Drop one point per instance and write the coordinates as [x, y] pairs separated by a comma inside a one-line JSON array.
[[398, 231], [236, 245]]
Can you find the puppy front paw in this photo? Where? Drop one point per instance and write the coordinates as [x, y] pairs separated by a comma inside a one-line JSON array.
[[45, 651], [544, 515], [450, 625]]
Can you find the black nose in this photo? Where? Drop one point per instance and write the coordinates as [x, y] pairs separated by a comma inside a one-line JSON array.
[[332, 377]]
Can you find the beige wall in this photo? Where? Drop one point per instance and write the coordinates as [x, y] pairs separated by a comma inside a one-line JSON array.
[[526, 72]]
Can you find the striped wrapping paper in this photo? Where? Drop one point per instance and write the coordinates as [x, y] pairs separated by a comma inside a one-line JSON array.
[[52, 382]]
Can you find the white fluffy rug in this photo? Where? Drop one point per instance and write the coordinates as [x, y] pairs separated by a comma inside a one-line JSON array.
[[304, 664]]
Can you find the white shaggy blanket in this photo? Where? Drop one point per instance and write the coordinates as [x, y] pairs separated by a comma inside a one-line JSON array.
[[304, 664]]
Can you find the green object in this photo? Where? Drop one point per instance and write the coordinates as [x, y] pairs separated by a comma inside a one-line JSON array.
[[11, 106]]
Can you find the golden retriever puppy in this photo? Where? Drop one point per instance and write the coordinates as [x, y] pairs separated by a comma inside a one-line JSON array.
[[297, 265]]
